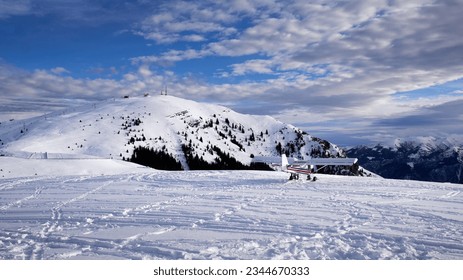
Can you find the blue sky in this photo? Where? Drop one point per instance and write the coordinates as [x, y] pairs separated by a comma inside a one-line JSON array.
[[354, 72]]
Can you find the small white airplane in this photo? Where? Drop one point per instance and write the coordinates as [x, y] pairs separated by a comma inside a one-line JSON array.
[[305, 167]]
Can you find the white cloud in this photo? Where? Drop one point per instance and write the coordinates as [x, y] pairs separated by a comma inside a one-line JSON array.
[[22, 87], [188, 21], [260, 66], [373, 40], [14, 8], [59, 70], [171, 57]]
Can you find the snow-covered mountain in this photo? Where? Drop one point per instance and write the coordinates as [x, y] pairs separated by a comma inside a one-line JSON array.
[[423, 158], [177, 133]]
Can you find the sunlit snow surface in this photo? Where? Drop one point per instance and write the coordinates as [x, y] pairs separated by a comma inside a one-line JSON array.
[[149, 214]]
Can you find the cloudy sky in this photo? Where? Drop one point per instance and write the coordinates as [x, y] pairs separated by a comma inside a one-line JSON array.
[[353, 72]]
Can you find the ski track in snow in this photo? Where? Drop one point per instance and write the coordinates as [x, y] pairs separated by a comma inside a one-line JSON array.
[[228, 215]]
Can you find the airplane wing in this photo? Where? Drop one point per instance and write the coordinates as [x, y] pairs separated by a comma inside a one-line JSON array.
[[332, 161], [311, 161], [269, 160]]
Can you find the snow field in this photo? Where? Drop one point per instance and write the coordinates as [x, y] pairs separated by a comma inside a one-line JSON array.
[[227, 215]]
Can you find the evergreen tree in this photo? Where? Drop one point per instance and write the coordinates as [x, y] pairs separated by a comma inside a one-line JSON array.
[[252, 137]]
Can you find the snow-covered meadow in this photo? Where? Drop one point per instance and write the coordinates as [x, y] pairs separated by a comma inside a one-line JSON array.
[[108, 209]]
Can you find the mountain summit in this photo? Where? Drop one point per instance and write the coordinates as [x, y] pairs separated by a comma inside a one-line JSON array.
[[167, 131]]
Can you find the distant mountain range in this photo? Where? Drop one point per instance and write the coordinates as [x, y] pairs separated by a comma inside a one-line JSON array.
[[163, 132], [424, 159]]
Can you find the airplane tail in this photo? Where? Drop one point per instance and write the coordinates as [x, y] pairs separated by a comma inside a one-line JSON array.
[[284, 162]]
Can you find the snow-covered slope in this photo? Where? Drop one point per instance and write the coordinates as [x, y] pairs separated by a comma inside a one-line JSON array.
[[114, 128], [423, 158], [227, 215]]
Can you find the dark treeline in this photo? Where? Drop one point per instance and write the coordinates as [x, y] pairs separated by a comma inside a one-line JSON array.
[[223, 161], [158, 159]]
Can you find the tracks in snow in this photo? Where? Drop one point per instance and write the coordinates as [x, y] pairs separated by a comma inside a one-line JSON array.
[[34, 241], [17, 203], [228, 215]]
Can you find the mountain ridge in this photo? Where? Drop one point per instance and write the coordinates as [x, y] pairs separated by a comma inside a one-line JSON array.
[[422, 158]]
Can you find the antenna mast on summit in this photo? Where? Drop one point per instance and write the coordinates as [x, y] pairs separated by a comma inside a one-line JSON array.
[[164, 90]]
